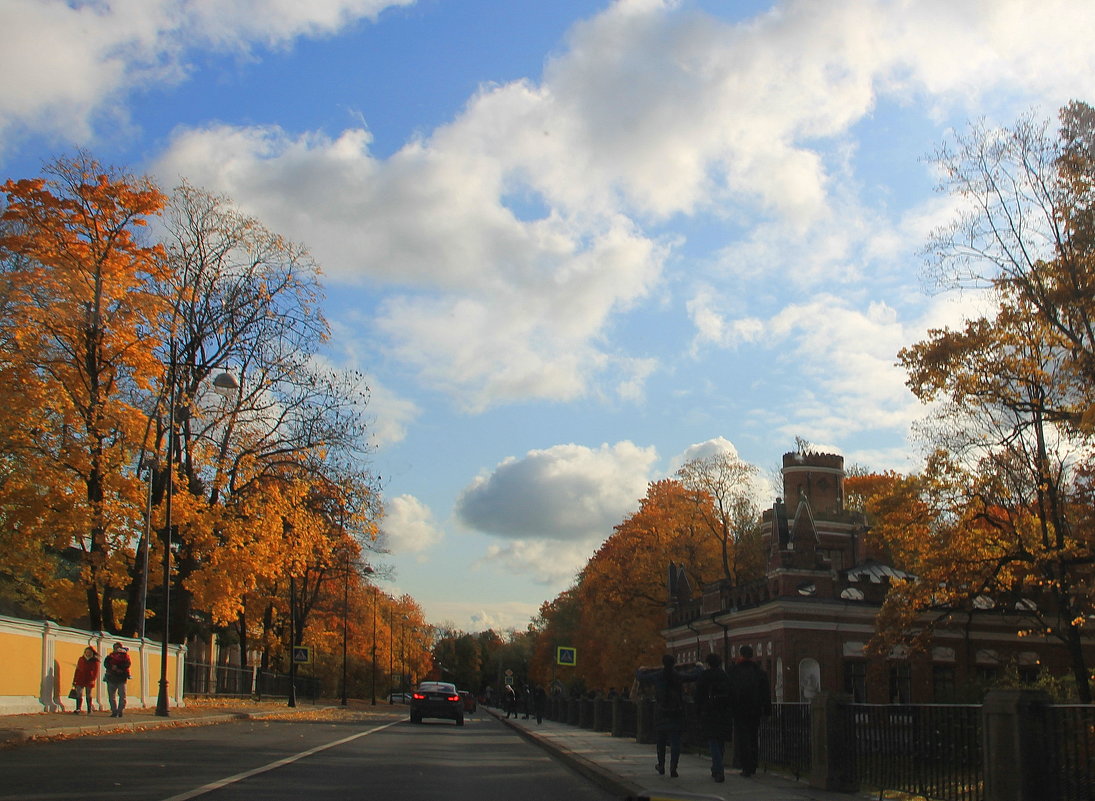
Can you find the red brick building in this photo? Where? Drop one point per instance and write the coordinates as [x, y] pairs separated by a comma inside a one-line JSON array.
[[809, 619]]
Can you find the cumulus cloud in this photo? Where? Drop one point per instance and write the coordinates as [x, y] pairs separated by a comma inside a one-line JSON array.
[[78, 62], [566, 493], [409, 526], [513, 235]]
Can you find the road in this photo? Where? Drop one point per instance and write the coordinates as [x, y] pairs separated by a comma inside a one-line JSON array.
[[338, 755]]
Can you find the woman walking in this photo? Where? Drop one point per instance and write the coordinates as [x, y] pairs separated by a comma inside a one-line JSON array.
[[83, 679]]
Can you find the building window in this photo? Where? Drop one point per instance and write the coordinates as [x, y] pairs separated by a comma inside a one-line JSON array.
[[943, 683], [855, 680], [900, 683], [1028, 674]]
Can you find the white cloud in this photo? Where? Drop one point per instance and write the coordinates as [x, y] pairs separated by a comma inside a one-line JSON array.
[[566, 493], [408, 525], [514, 234], [77, 62]]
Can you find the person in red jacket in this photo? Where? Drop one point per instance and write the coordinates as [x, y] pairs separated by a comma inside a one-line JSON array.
[[116, 674], [83, 679]]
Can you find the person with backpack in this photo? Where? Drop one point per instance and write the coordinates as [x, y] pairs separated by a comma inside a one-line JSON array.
[[715, 713]]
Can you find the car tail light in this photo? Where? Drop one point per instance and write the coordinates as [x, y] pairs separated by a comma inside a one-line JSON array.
[[418, 697], [454, 697]]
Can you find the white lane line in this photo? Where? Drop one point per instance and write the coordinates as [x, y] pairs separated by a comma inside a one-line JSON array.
[[208, 788]]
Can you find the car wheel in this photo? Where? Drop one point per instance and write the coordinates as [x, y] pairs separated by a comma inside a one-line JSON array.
[[460, 721], [416, 719]]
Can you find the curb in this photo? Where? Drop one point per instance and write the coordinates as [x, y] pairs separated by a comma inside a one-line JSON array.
[[591, 770], [16, 736]]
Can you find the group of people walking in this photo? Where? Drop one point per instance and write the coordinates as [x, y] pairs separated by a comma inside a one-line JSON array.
[[116, 667], [730, 705], [532, 700]]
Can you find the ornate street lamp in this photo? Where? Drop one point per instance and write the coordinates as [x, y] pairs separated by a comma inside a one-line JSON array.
[[223, 384]]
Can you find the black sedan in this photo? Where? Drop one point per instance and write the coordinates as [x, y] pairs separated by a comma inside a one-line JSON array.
[[437, 699]]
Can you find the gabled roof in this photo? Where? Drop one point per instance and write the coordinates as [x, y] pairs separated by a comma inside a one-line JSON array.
[[803, 528]]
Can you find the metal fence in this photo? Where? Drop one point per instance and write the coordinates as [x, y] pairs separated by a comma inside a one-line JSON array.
[[785, 738], [930, 750], [232, 680], [1069, 737]]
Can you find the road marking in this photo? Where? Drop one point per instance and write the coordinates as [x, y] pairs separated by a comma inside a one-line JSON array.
[[208, 788]]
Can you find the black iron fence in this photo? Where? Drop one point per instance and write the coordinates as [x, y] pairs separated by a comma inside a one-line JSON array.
[[250, 682], [1069, 736], [785, 738], [932, 751], [935, 752]]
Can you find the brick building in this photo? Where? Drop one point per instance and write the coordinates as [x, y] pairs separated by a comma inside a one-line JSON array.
[[809, 619]]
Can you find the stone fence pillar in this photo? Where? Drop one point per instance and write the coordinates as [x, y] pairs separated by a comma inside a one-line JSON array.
[[832, 746], [1013, 733]]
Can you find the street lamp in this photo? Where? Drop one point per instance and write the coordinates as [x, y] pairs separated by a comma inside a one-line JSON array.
[[223, 383], [372, 683], [345, 613]]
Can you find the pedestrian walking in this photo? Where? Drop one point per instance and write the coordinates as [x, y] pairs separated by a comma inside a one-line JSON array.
[[510, 701], [83, 678], [539, 701], [668, 715], [116, 673], [715, 713], [751, 699]]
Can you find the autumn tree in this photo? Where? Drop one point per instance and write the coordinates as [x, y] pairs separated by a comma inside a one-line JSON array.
[[1014, 390], [725, 500], [615, 611], [77, 321], [245, 300]]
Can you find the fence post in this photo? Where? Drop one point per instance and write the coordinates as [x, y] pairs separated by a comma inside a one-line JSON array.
[[1015, 744], [832, 746]]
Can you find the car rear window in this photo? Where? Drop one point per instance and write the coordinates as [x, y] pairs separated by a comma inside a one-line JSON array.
[[437, 687]]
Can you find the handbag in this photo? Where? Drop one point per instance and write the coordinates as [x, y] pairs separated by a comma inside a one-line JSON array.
[[73, 693]]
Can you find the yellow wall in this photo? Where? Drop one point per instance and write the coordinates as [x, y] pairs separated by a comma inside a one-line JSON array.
[[22, 664]]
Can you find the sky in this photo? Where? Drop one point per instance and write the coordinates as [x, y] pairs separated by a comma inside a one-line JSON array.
[[571, 244]]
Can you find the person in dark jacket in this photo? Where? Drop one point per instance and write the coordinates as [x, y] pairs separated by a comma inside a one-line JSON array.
[[669, 711], [116, 672], [539, 698], [715, 713], [751, 699]]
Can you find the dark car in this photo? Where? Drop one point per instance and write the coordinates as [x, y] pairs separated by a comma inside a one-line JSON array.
[[437, 699], [469, 701]]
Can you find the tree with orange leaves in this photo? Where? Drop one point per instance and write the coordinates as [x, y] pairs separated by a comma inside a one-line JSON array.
[[621, 591], [76, 324]]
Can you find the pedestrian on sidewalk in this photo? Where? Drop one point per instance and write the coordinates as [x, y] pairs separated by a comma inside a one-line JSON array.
[[539, 702], [751, 699], [715, 713], [509, 700], [83, 678], [668, 714], [116, 672]]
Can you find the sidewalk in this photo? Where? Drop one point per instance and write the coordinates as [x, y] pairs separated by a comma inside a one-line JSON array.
[[626, 768], [16, 729]]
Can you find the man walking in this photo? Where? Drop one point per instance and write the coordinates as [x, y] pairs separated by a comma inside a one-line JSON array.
[[116, 672], [751, 699], [713, 705]]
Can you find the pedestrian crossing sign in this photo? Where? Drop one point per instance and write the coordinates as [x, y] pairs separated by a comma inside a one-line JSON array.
[[565, 655], [302, 654]]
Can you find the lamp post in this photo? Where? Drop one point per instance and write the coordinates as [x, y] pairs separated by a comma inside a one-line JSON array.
[[224, 382], [292, 641], [345, 612], [372, 684]]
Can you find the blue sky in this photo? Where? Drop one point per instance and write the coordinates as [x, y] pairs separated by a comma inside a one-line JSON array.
[[571, 243]]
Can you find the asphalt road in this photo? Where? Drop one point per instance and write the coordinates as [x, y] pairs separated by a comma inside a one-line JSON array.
[[341, 756]]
